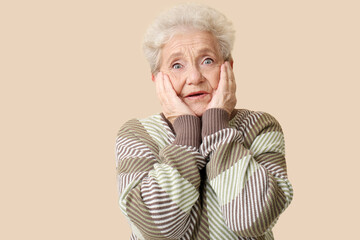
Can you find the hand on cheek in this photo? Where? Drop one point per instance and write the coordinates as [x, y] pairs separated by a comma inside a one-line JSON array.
[[172, 105], [225, 95]]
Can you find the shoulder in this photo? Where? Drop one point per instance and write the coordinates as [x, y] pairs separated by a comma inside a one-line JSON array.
[[251, 117], [136, 125], [133, 141], [153, 129]]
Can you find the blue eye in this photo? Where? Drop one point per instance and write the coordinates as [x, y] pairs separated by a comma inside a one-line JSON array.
[[176, 66], [208, 61]]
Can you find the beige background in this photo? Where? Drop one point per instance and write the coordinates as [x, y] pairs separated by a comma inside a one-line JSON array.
[[72, 72]]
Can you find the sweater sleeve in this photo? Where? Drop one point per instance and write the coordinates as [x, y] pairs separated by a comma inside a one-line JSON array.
[[158, 187], [247, 170]]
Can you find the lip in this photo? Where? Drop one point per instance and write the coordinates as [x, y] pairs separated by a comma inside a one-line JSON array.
[[197, 95]]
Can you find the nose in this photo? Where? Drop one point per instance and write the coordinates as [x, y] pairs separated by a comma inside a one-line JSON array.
[[194, 76]]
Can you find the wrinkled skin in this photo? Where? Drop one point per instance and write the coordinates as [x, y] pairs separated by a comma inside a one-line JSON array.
[[193, 76]]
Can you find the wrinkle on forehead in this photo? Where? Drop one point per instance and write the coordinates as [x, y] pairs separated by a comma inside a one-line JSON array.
[[192, 51], [190, 43]]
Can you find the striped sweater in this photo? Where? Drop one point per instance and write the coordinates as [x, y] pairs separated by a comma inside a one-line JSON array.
[[203, 178]]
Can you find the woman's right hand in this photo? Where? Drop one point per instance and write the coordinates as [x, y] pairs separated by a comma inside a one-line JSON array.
[[172, 105]]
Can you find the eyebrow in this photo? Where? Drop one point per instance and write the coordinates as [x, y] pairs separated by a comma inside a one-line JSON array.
[[201, 51]]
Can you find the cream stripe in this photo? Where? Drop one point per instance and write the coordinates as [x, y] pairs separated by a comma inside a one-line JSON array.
[[181, 191]]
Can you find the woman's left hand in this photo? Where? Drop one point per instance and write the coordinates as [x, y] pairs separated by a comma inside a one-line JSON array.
[[224, 96]]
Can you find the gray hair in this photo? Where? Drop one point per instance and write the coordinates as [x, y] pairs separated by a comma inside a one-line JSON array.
[[187, 16]]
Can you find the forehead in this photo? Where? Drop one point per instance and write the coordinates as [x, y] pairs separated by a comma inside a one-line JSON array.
[[198, 42]]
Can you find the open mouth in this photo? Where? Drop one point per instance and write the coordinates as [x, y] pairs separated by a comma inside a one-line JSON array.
[[197, 94]]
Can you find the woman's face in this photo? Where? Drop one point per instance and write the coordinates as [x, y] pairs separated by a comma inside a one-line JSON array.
[[192, 61]]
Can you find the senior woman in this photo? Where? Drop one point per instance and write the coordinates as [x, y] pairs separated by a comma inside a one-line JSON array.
[[201, 169]]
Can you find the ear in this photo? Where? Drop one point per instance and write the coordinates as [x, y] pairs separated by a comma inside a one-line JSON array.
[[152, 77], [232, 63]]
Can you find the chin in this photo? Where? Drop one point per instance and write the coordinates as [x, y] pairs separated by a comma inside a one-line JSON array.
[[199, 111]]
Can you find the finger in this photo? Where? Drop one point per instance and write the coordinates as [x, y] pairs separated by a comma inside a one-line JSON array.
[[168, 87], [170, 95], [231, 77], [223, 77], [228, 82], [159, 81], [230, 72]]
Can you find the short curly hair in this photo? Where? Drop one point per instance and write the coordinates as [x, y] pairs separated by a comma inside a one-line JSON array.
[[187, 16]]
